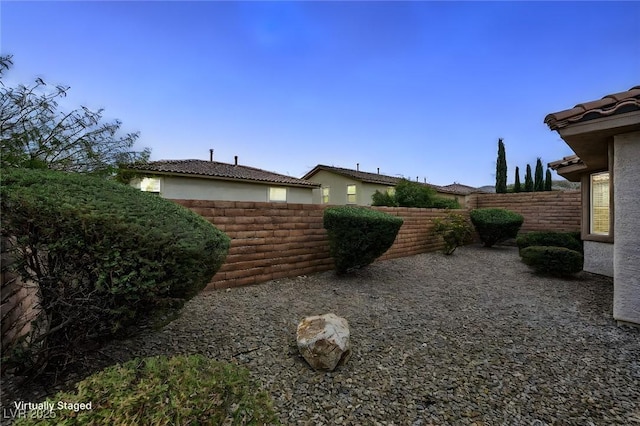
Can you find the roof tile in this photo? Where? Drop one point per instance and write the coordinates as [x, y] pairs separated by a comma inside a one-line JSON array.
[[216, 169]]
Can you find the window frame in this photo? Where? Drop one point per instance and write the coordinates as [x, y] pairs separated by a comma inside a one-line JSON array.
[[355, 193], [272, 200], [151, 178], [586, 233], [328, 194]]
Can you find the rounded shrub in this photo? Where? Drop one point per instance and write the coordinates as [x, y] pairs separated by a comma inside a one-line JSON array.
[[358, 235], [180, 390], [495, 225], [455, 231], [554, 239], [556, 261], [104, 255]]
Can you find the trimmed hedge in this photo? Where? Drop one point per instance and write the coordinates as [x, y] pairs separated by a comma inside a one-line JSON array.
[[105, 255], [164, 391], [495, 225], [358, 235], [556, 261], [553, 239]]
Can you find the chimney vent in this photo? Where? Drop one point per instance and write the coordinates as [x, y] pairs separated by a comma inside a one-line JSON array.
[[417, 178], [235, 157], [211, 155], [425, 180], [378, 170], [358, 167]]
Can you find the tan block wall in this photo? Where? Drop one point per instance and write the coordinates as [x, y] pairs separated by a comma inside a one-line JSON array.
[[542, 211], [271, 241]]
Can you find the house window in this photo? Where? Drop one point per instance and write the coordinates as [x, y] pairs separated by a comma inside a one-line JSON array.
[[150, 184], [277, 194], [391, 191], [325, 195], [351, 194], [599, 208]]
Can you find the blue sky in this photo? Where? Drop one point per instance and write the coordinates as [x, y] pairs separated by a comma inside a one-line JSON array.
[[414, 88]]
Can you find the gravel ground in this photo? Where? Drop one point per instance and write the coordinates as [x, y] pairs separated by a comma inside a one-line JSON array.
[[473, 338]]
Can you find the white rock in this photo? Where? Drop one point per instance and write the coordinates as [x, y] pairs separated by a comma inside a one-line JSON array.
[[323, 341]]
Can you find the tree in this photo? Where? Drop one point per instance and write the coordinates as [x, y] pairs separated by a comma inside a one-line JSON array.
[[528, 180], [538, 184], [516, 186], [35, 134], [547, 181], [501, 169]]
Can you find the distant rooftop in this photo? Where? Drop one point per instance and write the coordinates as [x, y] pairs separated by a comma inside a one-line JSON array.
[[215, 169]]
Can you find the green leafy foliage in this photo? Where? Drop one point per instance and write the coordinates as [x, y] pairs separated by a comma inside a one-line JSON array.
[[383, 199], [554, 239], [495, 225], [528, 180], [165, 391], [556, 261], [548, 183], [413, 194], [36, 134], [538, 184], [517, 187], [455, 231], [358, 235], [104, 255], [501, 169]]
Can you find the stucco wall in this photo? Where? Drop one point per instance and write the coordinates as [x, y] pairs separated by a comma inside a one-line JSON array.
[[175, 187], [626, 251], [598, 258], [338, 187]]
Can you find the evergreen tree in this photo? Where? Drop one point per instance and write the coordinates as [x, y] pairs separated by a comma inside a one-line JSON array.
[[528, 180], [516, 186], [501, 169], [538, 184], [547, 181]]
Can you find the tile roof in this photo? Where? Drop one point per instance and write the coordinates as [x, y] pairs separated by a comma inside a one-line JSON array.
[[565, 162], [215, 169], [372, 177], [616, 103], [462, 189]]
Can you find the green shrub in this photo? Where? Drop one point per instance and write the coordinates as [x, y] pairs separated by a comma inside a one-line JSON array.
[[554, 239], [557, 261], [455, 231], [104, 255], [414, 194], [358, 235], [165, 391], [383, 199], [495, 225], [444, 203]]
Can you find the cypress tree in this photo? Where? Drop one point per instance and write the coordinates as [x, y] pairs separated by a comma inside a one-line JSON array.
[[538, 183], [501, 169], [528, 180], [547, 181], [516, 186]]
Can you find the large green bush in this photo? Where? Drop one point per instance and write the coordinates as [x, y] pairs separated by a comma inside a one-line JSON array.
[[496, 225], [104, 255], [557, 261], [162, 391], [554, 239], [358, 235], [413, 194]]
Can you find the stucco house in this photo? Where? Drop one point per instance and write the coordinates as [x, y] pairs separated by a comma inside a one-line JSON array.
[[605, 136], [213, 180], [348, 186]]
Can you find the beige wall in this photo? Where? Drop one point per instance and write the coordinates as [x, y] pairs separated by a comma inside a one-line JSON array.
[[338, 188], [176, 187]]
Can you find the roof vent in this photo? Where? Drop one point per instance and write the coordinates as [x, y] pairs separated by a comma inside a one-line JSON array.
[[378, 170], [235, 157], [358, 167], [211, 155]]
